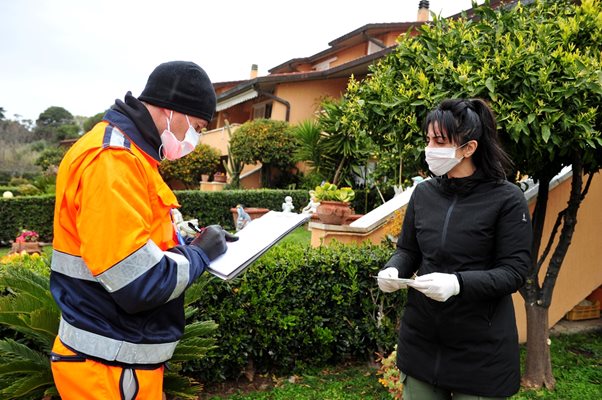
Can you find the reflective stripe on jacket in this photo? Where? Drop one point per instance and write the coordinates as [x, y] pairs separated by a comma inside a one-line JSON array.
[[118, 274]]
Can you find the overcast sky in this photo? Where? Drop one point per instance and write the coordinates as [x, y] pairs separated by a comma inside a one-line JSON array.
[[83, 54]]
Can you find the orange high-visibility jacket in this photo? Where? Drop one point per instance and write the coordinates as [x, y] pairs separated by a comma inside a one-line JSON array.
[[118, 274]]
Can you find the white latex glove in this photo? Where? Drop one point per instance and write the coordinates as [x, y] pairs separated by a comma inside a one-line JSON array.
[[387, 285], [437, 286]]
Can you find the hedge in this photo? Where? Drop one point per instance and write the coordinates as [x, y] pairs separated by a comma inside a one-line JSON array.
[[298, 307], [26, 212], [36, 212], [295, 308]]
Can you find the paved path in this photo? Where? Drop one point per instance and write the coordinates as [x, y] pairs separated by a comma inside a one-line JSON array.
[[564, 326]]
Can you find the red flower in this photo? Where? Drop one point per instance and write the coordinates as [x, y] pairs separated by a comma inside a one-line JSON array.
[[27, 236]]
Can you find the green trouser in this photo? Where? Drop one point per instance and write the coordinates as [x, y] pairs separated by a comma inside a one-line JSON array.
[[413, 389]]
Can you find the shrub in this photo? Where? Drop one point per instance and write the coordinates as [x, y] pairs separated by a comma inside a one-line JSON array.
[[203, 160], [266, 141], [299, 307], [391, 378], [26, 212]]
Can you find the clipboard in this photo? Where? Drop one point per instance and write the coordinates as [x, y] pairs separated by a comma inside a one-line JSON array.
[[257, 237]]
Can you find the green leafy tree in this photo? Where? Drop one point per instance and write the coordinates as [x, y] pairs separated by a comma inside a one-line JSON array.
[[56, 124], [93, 120], [266, 141], [50, 157], [2, 111], [345, 142], [539, 67], [203, 160]]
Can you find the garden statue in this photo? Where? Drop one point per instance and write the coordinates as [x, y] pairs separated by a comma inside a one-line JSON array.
[[312, 206], [288, 206], [243, 218]]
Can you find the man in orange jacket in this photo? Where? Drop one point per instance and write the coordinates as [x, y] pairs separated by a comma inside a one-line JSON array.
[[119, 271]]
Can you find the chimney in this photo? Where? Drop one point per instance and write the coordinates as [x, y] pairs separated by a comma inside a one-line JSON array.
[[253, 71], [423, 11]]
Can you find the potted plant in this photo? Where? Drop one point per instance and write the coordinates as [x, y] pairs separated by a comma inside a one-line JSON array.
[[27, 241], [335, 202], [219, 177]]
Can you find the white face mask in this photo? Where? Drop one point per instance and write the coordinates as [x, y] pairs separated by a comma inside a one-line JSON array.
[[441, 160], [172, 147]]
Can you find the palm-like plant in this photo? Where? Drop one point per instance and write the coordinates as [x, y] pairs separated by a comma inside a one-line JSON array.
[[234, 165], [28, 310], [194, 345], [310, 149]]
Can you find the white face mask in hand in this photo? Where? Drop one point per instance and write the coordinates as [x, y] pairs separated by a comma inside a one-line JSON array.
[[172, 147], [441, 160]]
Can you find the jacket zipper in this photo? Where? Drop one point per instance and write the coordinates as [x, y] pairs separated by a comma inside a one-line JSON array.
[[447, 218], [443, 241], [72, 358]]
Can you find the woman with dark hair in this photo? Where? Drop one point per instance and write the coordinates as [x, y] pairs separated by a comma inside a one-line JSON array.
[[466, 236]]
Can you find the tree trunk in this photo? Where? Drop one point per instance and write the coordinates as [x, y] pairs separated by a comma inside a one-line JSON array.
[[266, 180], [339, 171], [538, 368], [538, 364]]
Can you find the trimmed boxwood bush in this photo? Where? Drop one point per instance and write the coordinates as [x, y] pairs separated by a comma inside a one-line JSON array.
[[37, 212], [298, 307], [214, 207]]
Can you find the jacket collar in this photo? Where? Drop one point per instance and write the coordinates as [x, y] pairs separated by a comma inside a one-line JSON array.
[[133, 119], [462, 186]]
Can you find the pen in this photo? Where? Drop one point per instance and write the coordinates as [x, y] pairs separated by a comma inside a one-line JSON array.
[[196, 228]]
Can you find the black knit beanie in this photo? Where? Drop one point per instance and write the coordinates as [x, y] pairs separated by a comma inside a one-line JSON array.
[[181, 86]]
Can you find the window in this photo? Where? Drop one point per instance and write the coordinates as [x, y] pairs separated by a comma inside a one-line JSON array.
[[373, 47], [262, 110], [324, 65]]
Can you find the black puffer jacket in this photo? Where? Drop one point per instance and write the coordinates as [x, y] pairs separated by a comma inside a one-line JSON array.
[[480, 230]]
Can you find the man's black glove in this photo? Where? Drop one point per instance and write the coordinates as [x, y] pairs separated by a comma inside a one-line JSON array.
[[212, 240]]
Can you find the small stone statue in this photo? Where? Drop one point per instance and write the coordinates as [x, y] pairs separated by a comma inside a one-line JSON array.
[[243, 218], [311, 207], [288, 206]]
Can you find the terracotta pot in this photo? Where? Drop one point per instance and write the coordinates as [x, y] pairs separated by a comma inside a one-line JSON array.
[[219, 178], [333, 212], [352, 217]]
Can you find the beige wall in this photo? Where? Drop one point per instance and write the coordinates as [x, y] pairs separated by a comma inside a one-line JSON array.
[[305, 97], [581, 271], [349, 54], [219, 138]]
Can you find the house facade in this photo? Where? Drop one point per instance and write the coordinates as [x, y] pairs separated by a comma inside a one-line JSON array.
[[293, 90]]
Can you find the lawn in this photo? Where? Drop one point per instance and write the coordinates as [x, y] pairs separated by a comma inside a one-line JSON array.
[[576, 359], [298, 235]]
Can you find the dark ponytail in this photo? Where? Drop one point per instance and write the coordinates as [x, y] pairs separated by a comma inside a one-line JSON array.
[[462, 120]]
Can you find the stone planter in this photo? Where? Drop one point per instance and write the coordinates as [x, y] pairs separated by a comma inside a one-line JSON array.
[[28, 247], [333, 212]]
